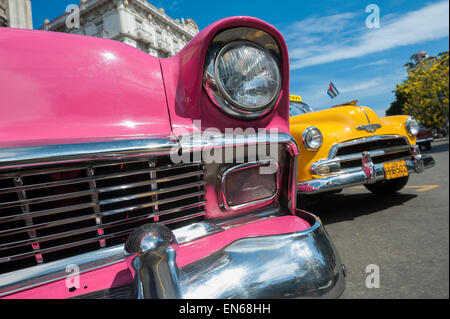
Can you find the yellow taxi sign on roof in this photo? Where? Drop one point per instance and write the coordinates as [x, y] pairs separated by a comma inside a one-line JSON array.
[[295, 98]]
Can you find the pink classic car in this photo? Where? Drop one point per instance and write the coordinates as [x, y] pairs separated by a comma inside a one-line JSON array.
[[126, 176]]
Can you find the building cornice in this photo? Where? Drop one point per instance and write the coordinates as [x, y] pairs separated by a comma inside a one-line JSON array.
[[143, 4]]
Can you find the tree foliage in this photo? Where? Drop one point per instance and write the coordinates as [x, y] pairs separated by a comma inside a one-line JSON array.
[[425, 93]]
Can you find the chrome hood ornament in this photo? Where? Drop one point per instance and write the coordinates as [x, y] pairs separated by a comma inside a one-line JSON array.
[[371, 128]]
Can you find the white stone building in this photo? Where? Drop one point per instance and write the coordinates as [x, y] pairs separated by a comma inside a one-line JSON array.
[[134, 22], [16, 14]]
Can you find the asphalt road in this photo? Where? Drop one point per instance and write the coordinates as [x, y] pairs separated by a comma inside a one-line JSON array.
[[405, 235]]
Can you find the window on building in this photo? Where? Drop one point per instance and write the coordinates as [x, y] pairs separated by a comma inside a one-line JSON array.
[[176, 46], [159, 35], [139, 25], [99, 26]]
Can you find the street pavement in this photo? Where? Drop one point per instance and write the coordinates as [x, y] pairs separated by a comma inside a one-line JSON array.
[[405, 235]]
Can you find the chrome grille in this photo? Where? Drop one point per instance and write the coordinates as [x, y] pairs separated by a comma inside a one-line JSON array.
[[381, 149], [55, 212], [368, 146]]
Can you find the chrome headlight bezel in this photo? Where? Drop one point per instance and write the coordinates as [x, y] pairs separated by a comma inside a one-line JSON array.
[[223, 90], [307, 133], [213, 87], [412, 126]]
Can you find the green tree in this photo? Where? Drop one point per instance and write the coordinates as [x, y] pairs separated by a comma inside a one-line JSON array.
[[425, 93]]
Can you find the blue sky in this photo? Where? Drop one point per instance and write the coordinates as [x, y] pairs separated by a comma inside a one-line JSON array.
[[327, 40]]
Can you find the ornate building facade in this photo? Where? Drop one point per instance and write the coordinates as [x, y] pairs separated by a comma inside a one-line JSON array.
[[134, 22], [16, 14]]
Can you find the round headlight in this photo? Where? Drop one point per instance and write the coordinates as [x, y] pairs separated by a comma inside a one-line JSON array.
[[312, 138], [247, 75], [412, 126]]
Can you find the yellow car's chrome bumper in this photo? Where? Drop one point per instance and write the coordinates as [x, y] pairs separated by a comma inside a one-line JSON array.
[[367, 173]]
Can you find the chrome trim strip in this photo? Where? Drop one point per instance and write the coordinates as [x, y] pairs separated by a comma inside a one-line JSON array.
[[195, 231], [365, 113], [194, 142], [430, 139], [18, 157], [46, 273], [64, 153]]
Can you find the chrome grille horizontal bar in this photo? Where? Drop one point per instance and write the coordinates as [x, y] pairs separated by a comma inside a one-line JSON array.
[[88, 179], [85, 230], [91, 216], [101, 190], [364, 143], [47, 212], [95, 239], [375, 153], [148, 194], [46, 199], [106, 213]]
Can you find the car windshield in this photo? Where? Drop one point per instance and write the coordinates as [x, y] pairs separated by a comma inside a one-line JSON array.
[[298, 108]]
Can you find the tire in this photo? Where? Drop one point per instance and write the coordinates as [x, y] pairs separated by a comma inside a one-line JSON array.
[[388, 187], [428, 146]]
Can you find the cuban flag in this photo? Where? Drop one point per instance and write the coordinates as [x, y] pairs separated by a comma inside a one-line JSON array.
[[332, 91]]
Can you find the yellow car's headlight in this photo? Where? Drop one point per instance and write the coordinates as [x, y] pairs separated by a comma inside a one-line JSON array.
[[412, 126], [312, 138]]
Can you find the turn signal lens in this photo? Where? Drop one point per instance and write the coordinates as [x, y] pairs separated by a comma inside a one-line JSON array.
[[249, 184]]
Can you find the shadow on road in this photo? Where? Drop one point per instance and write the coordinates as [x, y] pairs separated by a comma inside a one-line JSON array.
[[437, 148], [341, 207]]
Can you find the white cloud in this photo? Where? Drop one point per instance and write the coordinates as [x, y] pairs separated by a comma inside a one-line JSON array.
[[315, 41], [374, 63]]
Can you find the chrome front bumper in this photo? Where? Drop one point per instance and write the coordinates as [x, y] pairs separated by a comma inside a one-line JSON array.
[[368, 173], [302, 264], [273, 260]]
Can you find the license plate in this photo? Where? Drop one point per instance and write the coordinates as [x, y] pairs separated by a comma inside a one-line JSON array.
[[395, 170]]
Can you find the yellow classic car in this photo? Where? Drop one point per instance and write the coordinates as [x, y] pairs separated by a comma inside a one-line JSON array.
[[350, 145]]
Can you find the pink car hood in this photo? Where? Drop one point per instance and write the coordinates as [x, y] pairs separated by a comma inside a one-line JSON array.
[[56, 87]]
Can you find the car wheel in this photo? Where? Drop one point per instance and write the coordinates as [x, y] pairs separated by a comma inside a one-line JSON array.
[[428, 146], [388, 187]]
